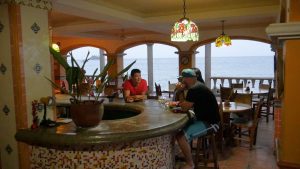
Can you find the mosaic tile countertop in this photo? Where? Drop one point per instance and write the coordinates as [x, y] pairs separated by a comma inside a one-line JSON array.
[[154, 120]]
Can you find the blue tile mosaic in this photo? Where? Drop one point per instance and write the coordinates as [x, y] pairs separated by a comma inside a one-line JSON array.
[[35, 28], [8, 149], [1, 27], [3, 68], [37, 68], [6, 110]]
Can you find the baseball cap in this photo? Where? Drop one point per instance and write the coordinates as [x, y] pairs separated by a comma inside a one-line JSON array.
[[188, 73]]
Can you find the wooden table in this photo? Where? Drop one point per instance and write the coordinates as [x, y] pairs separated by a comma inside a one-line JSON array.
[[235, 107], [254, 90]]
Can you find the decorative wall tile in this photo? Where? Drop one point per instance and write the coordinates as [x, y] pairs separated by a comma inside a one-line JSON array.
[[1, 26], [41, 4], [37, 68], [3, 68], [8, 149], [35, 27], [5, 110]]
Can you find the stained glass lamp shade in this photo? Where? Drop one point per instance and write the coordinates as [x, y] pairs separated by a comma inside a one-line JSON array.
[[223, 39], [185, 29]]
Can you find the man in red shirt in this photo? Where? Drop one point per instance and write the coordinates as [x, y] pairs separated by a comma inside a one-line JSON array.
[[135, 88]]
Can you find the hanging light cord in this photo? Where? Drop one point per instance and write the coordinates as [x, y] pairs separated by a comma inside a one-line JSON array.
[[184, 13]]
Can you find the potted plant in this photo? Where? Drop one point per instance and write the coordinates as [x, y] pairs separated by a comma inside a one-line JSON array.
[[86, 112]]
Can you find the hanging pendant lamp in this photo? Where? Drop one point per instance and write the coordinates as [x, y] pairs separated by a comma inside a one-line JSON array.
[[185, 29], [223, 39]]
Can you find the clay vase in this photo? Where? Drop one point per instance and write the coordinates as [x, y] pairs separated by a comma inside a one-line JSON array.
[[87, 113]]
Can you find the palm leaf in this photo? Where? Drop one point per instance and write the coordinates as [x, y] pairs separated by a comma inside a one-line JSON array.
[[94, 75], [54, 85], [81, 74], [105, 69], [126, 68], [59, 58], [85, 60]]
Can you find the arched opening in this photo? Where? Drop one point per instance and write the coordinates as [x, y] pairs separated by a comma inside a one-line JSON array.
[[244, 60], [96, 59], [165, 64]]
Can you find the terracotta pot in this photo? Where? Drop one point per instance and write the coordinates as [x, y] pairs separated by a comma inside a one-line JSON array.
[[87, 114]]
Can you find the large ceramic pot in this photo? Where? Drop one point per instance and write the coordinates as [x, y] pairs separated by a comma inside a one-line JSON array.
[[87, 113]]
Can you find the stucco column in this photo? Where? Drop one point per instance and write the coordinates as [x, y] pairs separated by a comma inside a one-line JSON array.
[[207, 65], [116, 67], [150, 66], [101, 59], [277, 47], [25, 60], [289, 155], [185, 59]]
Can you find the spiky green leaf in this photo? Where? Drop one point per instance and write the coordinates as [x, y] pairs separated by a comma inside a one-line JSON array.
[[59, 58]]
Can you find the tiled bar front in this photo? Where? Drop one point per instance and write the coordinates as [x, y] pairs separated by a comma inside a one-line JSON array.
[[142, 141]]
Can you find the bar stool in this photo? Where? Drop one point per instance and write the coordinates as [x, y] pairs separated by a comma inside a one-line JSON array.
[[205, 145]]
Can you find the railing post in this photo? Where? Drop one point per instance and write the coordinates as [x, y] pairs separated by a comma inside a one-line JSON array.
[[230, 81], [245, 81], [215, 83], [253, 82], [270, 82], [222, 81]]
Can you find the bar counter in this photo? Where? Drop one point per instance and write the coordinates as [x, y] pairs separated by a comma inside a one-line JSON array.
[[142, 141]]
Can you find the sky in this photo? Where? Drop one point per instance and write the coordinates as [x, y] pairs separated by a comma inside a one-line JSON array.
[[238, 48]]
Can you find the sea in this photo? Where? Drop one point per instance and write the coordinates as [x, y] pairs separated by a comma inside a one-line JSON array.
[[167, 69]]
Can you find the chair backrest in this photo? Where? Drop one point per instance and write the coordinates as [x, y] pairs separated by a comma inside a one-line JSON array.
[[245, 98], [221, 112], [172, 86], [270, 96], [257, 112], [264, 86], [226, 93], [237, 85], [158, 89]]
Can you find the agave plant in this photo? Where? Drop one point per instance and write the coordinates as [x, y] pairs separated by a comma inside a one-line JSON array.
[[78, 82]]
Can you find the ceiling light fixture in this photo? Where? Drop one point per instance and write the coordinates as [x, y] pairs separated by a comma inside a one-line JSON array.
[[185, 29], [56, 46], [223, 38]]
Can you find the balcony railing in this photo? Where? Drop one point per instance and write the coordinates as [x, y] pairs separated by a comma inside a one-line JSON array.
[[227, 81]]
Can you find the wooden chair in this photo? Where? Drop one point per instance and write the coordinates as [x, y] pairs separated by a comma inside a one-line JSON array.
[[250, 126], [226, 93], [264, 86], [224, 126], [237, 85], [267, 104], [205, 150], [171, 89], [158, 90], [245, 98]]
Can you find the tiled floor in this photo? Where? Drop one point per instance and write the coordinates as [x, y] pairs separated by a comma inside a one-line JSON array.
[[261, 157]]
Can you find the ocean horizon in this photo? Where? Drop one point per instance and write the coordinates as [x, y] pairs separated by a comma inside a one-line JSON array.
[[167, 69]]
